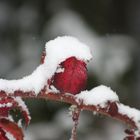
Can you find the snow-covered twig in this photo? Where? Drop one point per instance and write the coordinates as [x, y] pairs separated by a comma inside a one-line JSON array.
[[111, 108], [37, 85]]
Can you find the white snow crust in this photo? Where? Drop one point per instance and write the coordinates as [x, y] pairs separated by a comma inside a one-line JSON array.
[[10, 136], [22, 104], [98, 96], [5, 105], [57, 50], [132, 113]]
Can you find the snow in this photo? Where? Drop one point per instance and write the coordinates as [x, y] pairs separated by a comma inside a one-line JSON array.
[[10, 136], [98, 96], [20, 123], [62, 48], [10, 118], [137, 133], [53, 89], [59, 70], [113, 52], [33, 82], [132, 113], [5, 105], [22, 104], [57, 50]]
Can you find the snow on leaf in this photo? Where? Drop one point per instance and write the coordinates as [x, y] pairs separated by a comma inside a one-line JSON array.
[[9, 136], [9, 103], [12, 128], [24, 110], [132, 113], [6, 104], [132, 134]]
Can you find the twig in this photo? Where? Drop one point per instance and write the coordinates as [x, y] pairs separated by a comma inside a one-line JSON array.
[[110, 110], [75, 110]]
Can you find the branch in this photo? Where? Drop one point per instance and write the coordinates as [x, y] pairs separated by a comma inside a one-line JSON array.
[[75, 112], [64, 65], [111, 109]]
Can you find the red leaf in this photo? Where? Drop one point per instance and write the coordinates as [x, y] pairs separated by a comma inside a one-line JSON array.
[[2, 135], [4, 111], [24, 110], [12, 128], [73, 79], [8, 103], [26, 117]]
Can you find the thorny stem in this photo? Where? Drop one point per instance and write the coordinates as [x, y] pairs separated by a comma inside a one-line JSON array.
[[75, 110], [105, 111], [71, 99]]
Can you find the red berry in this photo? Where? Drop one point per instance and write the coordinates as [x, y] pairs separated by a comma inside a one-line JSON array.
[[74, 77]]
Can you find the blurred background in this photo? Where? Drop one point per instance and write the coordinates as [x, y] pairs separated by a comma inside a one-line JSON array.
[[112, 30]]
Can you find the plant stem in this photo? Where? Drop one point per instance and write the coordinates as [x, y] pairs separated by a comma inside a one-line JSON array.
[[75, 117]]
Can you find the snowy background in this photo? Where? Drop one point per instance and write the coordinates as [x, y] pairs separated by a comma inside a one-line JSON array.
[[110, 28]]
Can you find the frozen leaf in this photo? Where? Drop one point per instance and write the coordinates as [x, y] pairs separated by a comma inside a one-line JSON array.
[[12, 128], [2, 135], [24, 110], [9, 103]]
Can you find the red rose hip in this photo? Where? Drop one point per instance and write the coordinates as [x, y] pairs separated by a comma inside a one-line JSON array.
[[72, 78]]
